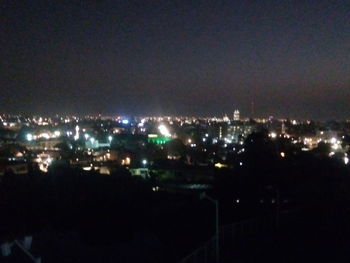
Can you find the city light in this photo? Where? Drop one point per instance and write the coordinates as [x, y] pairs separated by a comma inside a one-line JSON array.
[[220, 165], [164, 130], [76, 136], [29, 137], [144, 162], [110, 138], [44, 135], [273, 135], [155, 188], [335, 146]]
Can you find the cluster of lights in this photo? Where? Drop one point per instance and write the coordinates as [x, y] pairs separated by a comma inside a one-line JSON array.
[[44, 162], [44, 135]]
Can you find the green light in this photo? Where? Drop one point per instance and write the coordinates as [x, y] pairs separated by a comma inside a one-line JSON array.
[[159, 140]]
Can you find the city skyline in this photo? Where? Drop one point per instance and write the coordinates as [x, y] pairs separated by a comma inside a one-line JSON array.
[[176, 58]]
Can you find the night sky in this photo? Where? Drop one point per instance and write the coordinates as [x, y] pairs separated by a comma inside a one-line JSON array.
[[202, 58]]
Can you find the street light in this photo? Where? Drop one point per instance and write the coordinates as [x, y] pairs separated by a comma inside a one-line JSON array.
[[29, 137], [216, 202]]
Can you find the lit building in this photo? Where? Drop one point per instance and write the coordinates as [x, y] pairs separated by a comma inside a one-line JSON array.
[[239, 130], [157, 139], [236, 115]]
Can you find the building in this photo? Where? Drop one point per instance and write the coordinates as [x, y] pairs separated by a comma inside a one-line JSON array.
[[239, 130], [142, 172], [236, 115], [157, 139]]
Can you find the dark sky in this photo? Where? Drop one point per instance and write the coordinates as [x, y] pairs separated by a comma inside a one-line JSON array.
[[292, 58]]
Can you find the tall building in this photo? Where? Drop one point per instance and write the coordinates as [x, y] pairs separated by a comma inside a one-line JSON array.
[[236, 116]]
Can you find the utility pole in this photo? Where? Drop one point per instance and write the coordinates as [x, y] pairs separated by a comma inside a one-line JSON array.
[[216, 202]]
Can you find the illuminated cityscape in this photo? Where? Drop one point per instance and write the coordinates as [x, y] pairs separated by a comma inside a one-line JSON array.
[[174, 131], [100, 142]]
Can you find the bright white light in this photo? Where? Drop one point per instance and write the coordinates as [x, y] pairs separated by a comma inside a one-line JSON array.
[[144, 161], [204, 139], [125, 121], [283, 154], [77, 128], [346, 160], [164, 130], [45, 135], [331, 153], [57, 133], [155, 189], [86, 136], [240, 163], [228, 140], [110, 138], [29, 137], [333, 140], [206, 135], [92, 140], [273, 135]]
